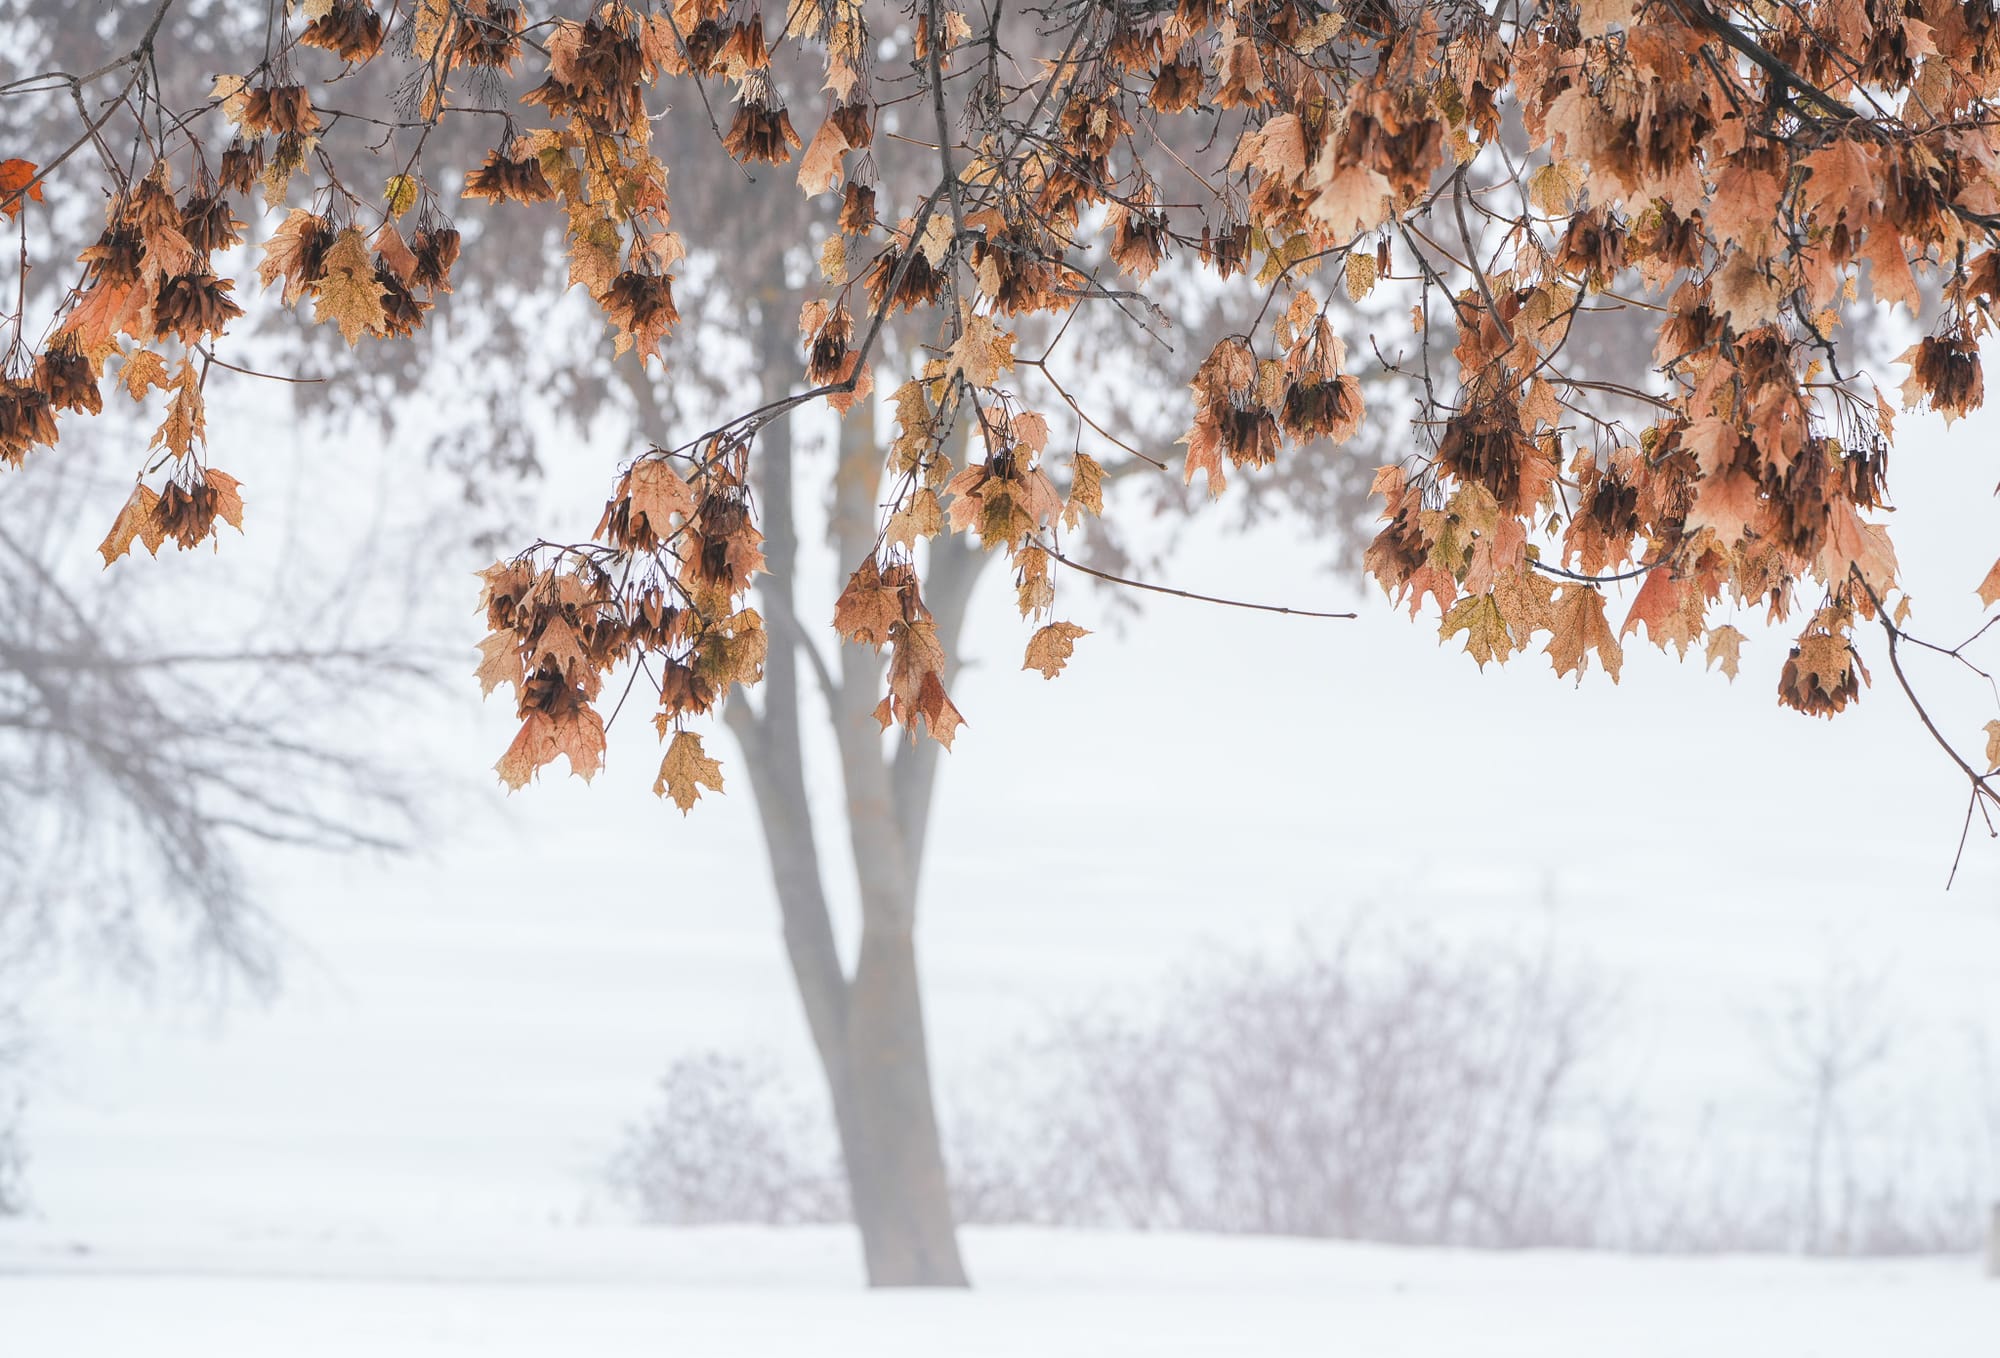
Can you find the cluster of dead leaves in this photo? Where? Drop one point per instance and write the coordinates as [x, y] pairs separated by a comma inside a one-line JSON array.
[[561, 621], [1742, 174]]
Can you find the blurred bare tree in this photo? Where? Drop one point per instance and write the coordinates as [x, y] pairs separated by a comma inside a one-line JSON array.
[[141, 750], [150, 746]]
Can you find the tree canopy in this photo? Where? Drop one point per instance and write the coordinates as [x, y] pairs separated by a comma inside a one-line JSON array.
[[1746, 183]]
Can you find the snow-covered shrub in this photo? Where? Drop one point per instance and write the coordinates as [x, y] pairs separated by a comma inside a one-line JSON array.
[[727, 1140], [1379, 1088]]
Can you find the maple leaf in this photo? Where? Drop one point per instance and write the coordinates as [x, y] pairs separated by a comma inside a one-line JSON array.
[[225, 497], [1727, 504], [579, 737], [921, 517], [18, 185], [135, 522], [1086, 490], [1050, 648], [833, 259], [349, 294], [1823, 674], [867, 609], [658, 492], [1278, 148], [142, 371], [1033, 590], [1031, 428], [1580, 627], [1725, 644], [534, 745], [685, 771], [400, 194], [558, 645], [1746, 293], [1863, 547], [187, 414], [983, 351], [941, 718], [295, 253], [1846, 178], [1670, 608], [1993, 746], [1486, 636], [396, 253], [499, 662], [1989, 588], [819, 168], [734, 650]]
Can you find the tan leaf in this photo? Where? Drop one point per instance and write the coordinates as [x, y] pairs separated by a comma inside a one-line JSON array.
[[1031, 428], [922, 517], [982, 352], [349, 294], [819, 168], [400, 193], [143, 370], [1360, 274], [685, 771], [232, 92], [1486, 636], [1725, 644], [1086, 490], [534, 745], [1580, 627], [285, 254], [658, 492], [135, 521], [1993, 746], [1049, 649], [833, 260], [499, 662], [1745, 291], [580, 738], [1034, 590], [395, 252], [868, 608], [1989, 588], [187, 414], [228, 497], [941, 718]]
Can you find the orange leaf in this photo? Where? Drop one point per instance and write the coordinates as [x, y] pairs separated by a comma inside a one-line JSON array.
[[1050, 648], [135, 520], [685, 771], [18, 183], [1989, 588]]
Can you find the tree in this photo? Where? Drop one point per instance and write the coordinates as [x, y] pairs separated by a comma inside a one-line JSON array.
[[997, 181]]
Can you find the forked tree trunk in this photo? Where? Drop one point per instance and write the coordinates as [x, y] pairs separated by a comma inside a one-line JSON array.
[[867, 1029]]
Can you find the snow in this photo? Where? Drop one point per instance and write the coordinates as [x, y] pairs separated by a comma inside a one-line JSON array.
[[606, 1292]]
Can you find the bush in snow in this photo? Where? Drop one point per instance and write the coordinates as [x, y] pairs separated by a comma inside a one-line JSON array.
[[727, 1141], [1381, 1087]]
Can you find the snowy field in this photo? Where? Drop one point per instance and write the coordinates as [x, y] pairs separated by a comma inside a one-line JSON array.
[[739, 1292]]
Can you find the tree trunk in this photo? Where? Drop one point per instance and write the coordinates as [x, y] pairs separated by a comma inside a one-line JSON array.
[[868, 1031], [895, 1161]]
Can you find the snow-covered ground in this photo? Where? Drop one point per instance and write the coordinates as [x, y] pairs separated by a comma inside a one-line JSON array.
[[600, 1292]]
